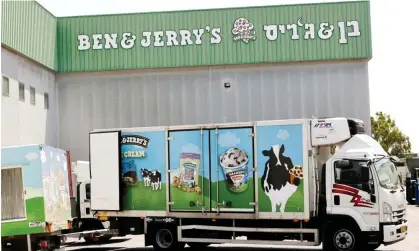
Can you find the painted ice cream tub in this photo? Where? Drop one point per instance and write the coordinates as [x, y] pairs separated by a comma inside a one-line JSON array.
[[189, 170], [234, 164]]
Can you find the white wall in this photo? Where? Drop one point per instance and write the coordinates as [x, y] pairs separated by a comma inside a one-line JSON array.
[[21, 122]]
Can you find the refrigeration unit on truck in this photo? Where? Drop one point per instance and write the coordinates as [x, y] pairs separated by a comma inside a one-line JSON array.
[[34, 197], [286, 182]]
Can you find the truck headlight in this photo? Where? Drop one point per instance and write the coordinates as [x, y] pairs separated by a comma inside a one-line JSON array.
[[387, 212]]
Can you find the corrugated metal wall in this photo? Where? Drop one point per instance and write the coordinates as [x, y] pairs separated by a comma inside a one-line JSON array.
[[228, 51], [181, 96], [29, 29]]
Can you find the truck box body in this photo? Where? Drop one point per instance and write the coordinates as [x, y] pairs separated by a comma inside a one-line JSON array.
[[285, 182], [35, 190], [238, 170]]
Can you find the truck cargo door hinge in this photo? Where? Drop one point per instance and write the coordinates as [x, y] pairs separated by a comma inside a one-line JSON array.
[[170, 138], [310, 152], [252, 203], [170, 203], [251, 135]]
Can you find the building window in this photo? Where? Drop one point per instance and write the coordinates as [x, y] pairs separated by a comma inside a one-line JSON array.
[[33, 96], [5, 86], [21, 92], [46, 101]]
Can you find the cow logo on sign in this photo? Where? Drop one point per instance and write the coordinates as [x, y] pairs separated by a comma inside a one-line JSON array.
[[243, 30]]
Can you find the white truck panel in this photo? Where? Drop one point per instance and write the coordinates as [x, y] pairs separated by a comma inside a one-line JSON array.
[[105, 183]]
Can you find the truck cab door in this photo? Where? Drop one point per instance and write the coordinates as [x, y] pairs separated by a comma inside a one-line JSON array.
[[84, 200], [353, 191]]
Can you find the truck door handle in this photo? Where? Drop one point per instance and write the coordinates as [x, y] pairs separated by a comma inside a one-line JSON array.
[[336, 200]]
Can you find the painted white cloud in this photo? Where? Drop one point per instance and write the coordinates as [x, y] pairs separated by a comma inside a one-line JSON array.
[[43, 156], [31, 156], [50, 153], [228, 139], [58, 158], [191, 148], [282, 134]]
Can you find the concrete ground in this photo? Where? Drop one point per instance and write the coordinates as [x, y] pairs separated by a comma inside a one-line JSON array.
[[136, 243]]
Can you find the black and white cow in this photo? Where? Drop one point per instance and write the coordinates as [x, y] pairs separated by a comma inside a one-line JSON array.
[[152, 178], [146, 177], [155, 178], [276, 181]]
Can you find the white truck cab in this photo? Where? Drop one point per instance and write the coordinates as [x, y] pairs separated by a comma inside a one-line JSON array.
[[361, 182]]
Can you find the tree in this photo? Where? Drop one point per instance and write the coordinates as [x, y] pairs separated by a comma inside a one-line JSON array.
[[385, 131]]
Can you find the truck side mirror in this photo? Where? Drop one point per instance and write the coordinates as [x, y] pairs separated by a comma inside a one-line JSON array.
[[365, 175]]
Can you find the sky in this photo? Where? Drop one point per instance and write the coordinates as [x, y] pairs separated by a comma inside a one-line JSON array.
[[392, 69]]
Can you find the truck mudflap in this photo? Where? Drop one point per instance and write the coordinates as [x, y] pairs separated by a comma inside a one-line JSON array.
[[91, 233]]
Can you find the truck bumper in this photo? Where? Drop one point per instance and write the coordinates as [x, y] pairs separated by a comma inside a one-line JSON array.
[[394, 233]]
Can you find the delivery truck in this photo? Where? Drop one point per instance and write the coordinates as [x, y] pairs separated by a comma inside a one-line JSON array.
[[286, 182], [35, 200], [35, 194]]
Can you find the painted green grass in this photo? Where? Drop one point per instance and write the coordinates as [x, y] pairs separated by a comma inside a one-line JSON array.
[[295, 204], [139, 197], [238, 200], [35, 212], [182, 199]]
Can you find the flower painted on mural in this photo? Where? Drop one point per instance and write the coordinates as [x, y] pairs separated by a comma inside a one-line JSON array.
[[43, 156], [243, 30]]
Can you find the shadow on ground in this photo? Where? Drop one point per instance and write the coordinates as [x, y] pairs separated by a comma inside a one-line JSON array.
[[84, 244], [221, 249]]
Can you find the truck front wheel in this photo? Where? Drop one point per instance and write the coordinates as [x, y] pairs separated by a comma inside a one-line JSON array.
[[343, 238], [166, 239]]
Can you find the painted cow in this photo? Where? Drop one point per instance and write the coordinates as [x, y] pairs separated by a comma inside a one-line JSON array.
[[152, 178], [145, 173], [277, 181]]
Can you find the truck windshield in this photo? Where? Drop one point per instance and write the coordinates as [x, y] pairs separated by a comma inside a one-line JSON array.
[[387, 173]]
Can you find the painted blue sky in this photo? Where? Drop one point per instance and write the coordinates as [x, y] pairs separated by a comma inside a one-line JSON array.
[[289, 135]]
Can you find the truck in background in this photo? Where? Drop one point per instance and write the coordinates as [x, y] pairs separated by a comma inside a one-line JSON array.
[[35, 197], [287, 182], [36, 206], [82, 216]]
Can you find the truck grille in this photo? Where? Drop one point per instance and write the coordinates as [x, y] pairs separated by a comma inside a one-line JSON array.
[[399, 216]]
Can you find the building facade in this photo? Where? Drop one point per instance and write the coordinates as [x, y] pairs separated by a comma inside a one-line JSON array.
[[182, 67]]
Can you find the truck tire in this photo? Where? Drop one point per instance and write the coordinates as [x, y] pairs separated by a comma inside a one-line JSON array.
[[166, 239], [341, 238]]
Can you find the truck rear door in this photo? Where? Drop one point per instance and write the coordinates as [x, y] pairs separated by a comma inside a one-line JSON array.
[[105, 170]]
